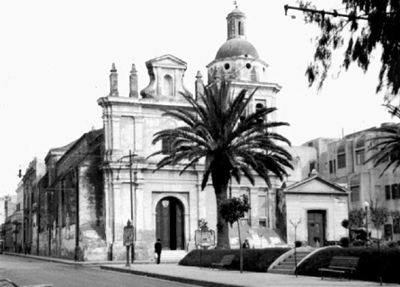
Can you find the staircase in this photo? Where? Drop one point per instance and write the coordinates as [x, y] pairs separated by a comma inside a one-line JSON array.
[[172, 256], [287, 265]]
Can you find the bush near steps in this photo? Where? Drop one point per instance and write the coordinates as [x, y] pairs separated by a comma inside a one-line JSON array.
[[372, 264], [255, 260]]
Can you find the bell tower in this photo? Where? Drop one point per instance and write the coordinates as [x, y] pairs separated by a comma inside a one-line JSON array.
[[236, 24], [238, 62]]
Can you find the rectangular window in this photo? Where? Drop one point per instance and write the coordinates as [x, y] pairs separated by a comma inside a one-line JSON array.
[[387, 192], [33, 198], [247, 215], [386, 158], [312, 166], [166, 146], [388, 232], [341, 159], [396, 225], [395, 191], [331, 166], [355, 193], [360, 157], [262, 205], [262, 222]]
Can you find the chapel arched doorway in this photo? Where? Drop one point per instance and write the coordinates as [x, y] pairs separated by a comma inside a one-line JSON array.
[[170, 223]]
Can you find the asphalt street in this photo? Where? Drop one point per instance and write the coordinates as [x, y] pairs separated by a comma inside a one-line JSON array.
[[28, 271]]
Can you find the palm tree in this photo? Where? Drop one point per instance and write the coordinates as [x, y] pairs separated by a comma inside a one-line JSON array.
[[231, 142], [388, 143]]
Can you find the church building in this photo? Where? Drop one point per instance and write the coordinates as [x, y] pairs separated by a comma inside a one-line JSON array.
[[164, 204]]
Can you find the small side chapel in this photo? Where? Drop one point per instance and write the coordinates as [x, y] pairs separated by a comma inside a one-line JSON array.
[[165, 204]]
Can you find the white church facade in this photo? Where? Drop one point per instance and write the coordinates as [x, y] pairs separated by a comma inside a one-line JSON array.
[[166, 204]]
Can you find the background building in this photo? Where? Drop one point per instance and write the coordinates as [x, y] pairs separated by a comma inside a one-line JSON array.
[[343, 161]]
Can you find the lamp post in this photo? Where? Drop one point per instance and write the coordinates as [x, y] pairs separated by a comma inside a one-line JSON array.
[[366, 206]]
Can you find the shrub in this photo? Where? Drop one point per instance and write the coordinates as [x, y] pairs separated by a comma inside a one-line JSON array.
[[256, 260], [358, 243], [298, 243], [344, 242], [372, 262]]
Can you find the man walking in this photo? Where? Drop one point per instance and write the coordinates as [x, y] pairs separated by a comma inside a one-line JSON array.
[[157, 250]]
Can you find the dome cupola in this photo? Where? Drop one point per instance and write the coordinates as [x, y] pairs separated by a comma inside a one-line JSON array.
[[236, 44], [237, 58]]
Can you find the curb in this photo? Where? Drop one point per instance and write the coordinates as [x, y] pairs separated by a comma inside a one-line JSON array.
[[64, 261], [81, 263], [170, 277]]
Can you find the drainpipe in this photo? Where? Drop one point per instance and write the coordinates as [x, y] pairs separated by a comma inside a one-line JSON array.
[[108, 122], [38, 222], [77, 223]]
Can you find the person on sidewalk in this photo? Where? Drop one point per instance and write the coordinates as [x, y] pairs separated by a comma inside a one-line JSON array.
[[157, 250], [246, 244]]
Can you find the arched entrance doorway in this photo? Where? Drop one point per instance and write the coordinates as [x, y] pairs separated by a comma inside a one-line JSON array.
[[170, 223]]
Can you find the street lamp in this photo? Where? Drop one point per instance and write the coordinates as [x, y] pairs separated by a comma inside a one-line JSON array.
[[366, 206]]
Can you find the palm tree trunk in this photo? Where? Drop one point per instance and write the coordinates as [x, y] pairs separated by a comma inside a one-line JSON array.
[[220, 183], [222, 225], [241, 248]]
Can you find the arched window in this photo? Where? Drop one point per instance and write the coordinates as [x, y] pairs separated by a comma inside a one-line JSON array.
[[260, 106], [166, 145], [240, 28], [168, 87]]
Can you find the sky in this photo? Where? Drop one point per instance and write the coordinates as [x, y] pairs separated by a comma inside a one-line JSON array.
[[56, 56]]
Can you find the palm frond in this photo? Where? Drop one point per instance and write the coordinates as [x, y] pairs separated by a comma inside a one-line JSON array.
[[213, 128]]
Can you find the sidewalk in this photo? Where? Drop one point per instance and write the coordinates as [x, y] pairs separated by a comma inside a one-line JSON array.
[[224, 278], [208, 277]]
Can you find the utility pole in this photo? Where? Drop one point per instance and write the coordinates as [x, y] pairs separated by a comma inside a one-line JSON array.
[[130, 186], [131, 183]]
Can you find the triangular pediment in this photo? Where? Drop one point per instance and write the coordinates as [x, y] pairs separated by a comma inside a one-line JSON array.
[[315, 185], [167, 61]]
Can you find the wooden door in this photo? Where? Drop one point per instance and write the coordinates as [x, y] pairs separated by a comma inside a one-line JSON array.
[[316, 228], [170, 223]]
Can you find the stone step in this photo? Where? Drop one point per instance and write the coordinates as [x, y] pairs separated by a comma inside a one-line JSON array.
[[172, 255], [288, 264], [285, 267], [281, 271], [292, 260]]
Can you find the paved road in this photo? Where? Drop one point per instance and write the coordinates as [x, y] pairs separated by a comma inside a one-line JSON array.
[[26, 271]]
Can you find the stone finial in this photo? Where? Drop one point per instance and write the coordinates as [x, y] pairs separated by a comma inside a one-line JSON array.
[[199, 85], [133, 83], [114, 81], [113, 69]]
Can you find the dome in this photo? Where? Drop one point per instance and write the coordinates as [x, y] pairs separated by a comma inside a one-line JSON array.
[[236, 47]]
